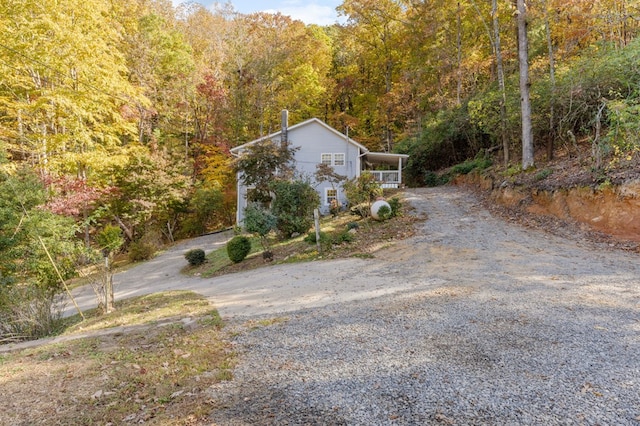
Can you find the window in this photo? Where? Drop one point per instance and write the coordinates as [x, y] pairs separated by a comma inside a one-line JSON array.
[[332, 159], [330, 195]]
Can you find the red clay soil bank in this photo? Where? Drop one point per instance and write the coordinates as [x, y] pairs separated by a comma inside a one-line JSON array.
[[613, 210]]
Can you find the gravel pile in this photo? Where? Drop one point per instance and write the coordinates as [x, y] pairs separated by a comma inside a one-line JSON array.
[[501, 326]]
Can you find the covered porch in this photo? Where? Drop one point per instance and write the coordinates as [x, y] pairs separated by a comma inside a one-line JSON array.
[[385, 167]]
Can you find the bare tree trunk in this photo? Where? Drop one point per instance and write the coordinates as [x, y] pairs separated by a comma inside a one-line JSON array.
[[503, 91], [552, 81], [596, 149], [459, 47], [127, 231], [525, 99]]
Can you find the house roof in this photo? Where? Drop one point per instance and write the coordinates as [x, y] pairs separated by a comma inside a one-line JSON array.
[[236, 150]]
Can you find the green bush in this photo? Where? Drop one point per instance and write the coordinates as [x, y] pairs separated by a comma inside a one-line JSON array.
[[344, 237], [260, 222], [238, 248], [139, 251], [471, 165], [110, 239], [384, 213], [353, 225], [311, 237], [293, 205], [543, 174], [431, 179], [195, 257], [395, 205], [205, 211]]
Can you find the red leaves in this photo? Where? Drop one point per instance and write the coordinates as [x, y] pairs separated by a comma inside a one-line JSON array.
[[72, 196]]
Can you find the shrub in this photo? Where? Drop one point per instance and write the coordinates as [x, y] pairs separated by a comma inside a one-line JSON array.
[[470, 165], [110, 239], [362, 210], [431, 179], [293, 205], [139, 251], [195, 257], [353, 225], [543, 174], [260, 222], [344, 237], [384, 213], [238, 248], [206, 211], [28, 312], [311, 237], [361, 191], [395, 205]]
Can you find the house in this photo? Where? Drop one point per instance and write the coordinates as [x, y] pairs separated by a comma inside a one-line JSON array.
[[317, 143]]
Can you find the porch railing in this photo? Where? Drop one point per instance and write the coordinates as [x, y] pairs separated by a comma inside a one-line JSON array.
[[387, 178]]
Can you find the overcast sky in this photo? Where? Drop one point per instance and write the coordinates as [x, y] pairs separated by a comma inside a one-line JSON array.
[[321, 12]]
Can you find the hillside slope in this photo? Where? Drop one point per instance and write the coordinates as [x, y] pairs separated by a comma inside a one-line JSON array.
[[567, 196]]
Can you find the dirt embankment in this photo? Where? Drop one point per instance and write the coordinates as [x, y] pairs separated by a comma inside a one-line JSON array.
[[607, 210]]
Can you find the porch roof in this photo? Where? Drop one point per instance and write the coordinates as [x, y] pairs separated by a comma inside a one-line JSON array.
[[385, 158]]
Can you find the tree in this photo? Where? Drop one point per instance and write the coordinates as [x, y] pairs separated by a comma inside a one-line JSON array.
[[64, 92], [261, 222], [375, 28], [497, 49], [151, 191], [109, 241], [38, 250], [525, 97], [161, 64], [262, 163]]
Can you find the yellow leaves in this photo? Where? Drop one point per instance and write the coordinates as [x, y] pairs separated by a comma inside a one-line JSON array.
[[217, 166]]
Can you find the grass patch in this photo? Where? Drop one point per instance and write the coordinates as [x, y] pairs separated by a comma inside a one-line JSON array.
[[254, 325], [219, 259], [142, 310], [155, 374]]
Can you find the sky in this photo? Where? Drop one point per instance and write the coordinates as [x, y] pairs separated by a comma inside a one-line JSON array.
[[321, 12]]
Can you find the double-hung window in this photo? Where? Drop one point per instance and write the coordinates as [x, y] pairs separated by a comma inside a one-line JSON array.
[[332, 159]]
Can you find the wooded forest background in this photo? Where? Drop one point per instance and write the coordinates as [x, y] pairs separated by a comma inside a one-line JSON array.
[[121, 113]]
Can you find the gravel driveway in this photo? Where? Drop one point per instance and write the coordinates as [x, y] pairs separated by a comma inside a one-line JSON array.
[[472, 321]]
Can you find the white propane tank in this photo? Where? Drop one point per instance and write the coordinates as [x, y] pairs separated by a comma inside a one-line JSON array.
[[375, 207]]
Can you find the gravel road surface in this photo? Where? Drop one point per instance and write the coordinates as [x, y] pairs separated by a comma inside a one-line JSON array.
[[473, 321]]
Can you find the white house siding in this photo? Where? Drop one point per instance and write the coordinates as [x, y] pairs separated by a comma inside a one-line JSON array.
[[314, 138]]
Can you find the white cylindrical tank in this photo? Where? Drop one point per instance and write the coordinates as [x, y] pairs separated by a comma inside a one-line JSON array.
[[375, 207]]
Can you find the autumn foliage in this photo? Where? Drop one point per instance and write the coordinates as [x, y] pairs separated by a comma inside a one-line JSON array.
[[126, 111]]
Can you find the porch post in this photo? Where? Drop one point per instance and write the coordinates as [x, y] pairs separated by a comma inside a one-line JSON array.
[[399, 172]]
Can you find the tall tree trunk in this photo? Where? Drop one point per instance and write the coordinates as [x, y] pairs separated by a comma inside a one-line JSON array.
[[459, 47], [525, 99], [497, 48], [552, 81]]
